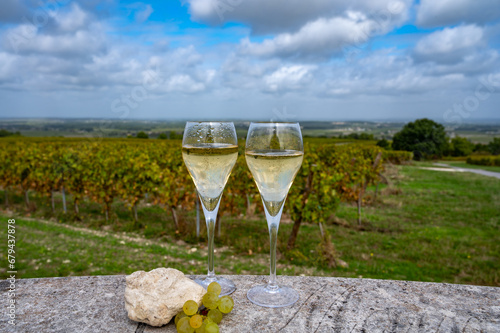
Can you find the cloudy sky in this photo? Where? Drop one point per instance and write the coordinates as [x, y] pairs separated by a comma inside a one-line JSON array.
[[251, 59]]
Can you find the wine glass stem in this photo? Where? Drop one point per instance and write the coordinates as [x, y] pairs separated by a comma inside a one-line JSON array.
[[210, 234], [273, 235]]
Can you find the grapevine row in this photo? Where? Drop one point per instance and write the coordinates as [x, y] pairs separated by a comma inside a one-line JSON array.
[[107, 170]]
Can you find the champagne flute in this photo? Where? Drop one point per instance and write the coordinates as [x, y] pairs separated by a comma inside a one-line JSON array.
[[274, 153], [210, 150]]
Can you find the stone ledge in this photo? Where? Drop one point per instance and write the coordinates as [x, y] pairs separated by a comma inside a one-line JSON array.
[[96, 304]]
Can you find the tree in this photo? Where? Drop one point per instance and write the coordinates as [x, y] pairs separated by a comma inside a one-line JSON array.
[[354, 136], [494, 146], [384, 144], [366, 136], [162, 136], [481, 147], [424, 137], [362, 136], [142, 135], [174, 136], [461, 147], [4, 133]]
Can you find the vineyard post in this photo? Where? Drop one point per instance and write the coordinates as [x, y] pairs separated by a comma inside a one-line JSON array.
[[64, 199], [106, 208], [174, 216], [52, 201], [75, 204], [360, 198], [135, 211], [27, 198], [249, 204]]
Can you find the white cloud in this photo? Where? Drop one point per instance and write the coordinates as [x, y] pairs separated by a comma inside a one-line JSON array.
[[68, 32], [288, 78], [382, 74], [81, 43], [6, 65], [71, 21], [472, 65], [320, 38], [183, 83], [187, 56], [143, 15], [87, 56], [450, 45], [239, 72], [277, 16], [435, 13]]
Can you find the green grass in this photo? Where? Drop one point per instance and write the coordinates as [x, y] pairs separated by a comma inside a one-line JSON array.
[[443, 227], [472, 166], [425, 226]]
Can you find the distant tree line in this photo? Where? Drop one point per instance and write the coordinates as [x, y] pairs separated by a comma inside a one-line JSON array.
[[357, 136], [4, 133], [171, 135], [427, 140]]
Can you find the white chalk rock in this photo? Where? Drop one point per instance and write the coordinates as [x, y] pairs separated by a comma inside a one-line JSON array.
[[155, 297]]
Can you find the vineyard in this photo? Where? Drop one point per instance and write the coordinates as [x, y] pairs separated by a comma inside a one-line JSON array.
[[107, 170], [484, 160]]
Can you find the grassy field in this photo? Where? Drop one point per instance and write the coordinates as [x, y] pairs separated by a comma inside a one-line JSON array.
[[472, 166], [425, 226]]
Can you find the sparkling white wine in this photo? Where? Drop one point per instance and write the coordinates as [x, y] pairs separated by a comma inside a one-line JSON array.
[[210, 166], [274, 172]]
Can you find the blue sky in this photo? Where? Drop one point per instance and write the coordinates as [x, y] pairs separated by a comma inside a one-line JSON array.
[[251, 59]]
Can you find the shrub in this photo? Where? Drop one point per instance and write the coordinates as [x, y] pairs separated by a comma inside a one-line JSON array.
[[484, 160], [142, 135], [384, 144], [397, 156], [494, 146], [461, 147]]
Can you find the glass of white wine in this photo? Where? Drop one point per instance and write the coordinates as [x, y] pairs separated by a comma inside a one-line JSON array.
[[210, 150], [274, 153]]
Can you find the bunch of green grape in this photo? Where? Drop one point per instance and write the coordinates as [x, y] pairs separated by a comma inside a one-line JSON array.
[[193, 320]]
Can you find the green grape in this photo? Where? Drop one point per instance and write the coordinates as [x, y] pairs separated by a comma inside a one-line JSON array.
[[215, 288], [183, 326], [179, 316], [201, 329], [215, 315], [190, 307], [212, 328], [226, 304], [211, 300], [196, 321]]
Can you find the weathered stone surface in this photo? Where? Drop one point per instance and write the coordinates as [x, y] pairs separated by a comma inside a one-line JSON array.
[[96, 304], [155, 297]]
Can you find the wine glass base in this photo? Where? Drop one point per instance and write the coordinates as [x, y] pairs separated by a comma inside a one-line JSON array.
[[263, 296], [227, 286]]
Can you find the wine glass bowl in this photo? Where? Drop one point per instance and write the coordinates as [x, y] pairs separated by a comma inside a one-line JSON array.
[[210, 151], [274, 154]]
